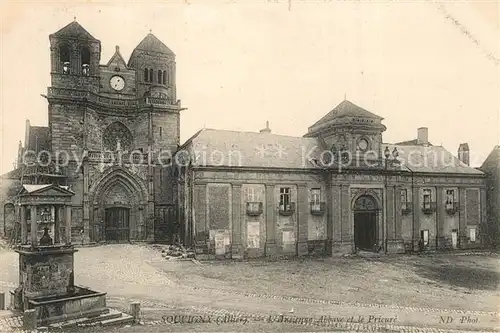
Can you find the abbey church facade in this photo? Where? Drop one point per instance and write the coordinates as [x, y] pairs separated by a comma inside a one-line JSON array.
[[105, 123], [113, 140]]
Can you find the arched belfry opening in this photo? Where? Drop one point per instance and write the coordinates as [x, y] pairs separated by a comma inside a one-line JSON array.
[[85, 60], [365, 223], [65, 58]]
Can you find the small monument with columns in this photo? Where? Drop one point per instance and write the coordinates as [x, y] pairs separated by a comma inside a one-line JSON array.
[[46, 259]]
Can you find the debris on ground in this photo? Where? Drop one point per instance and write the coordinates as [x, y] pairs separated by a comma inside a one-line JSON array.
[[176, 252]]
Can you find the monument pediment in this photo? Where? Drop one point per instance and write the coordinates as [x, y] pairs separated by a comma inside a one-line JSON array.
[[46, 190]]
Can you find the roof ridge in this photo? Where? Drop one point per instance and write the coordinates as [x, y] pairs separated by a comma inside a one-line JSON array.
[[258, 133]]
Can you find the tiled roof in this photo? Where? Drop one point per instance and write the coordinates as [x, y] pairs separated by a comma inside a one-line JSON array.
[[249, 149], [430, 159], [413, 142], [263, 150], [38, 138], [13, 174], [345, 109], [151, 43], [74, 30], [493, 159]]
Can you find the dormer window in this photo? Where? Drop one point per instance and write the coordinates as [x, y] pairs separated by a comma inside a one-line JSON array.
[[85, 56]]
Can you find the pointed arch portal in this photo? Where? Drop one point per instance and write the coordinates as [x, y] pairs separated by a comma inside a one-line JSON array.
[[119, 202]]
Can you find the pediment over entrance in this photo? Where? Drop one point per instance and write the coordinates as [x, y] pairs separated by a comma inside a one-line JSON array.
[[46, 190]]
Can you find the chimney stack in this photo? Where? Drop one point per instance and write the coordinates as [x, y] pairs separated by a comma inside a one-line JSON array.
[[464, 153], [423, 136], [267, 129]]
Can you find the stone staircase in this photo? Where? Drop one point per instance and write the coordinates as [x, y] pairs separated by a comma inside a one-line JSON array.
[[108, 318]]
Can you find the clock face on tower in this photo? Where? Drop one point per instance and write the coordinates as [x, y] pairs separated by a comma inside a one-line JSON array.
[[117, 83]]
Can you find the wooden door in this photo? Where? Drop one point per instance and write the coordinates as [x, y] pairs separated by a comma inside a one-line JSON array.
[[117, 224]]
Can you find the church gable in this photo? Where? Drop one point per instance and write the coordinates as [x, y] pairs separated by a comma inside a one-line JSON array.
[[117, 60]]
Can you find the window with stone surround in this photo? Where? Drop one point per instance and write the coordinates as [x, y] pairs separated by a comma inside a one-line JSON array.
[[404, 199], [427, 198], [117, 136], [146, 74], [160, 77], [253, 202], [450, 199], [316, 199], [165, 77], [285, 199], [151, 75], [250, 194]]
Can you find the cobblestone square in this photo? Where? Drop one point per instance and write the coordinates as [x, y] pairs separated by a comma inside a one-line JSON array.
[[385, 293]]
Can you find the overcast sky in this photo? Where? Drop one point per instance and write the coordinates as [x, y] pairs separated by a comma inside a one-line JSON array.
[[240, 63]]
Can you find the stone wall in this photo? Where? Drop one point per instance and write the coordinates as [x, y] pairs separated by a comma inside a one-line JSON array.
[[46, 275], [66, 123], [270, 232]]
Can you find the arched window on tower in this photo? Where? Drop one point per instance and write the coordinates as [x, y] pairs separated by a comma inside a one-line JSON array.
[[151, 75], [160, 77], [164, 77], [85, 54], [146, 74], [64, 57]]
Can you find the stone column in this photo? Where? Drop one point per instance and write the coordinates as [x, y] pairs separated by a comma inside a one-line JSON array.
[[24, 226], [347, 227], [390, 218], [336, 220], [398, 223], [462, 224], [67, 227], [236, 247], [395, 243], [34, 226], [86, 203], [270, 221], [416, 217], [303, 220], [329, 216], [57, 224], [483, 226], [440, 218]]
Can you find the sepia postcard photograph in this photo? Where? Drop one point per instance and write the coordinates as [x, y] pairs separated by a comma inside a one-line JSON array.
[[250, 166]]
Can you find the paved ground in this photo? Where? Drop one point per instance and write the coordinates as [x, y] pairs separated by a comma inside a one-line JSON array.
[[442, 293]]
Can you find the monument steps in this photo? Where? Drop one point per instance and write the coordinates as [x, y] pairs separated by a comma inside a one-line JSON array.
[[111, 317]]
